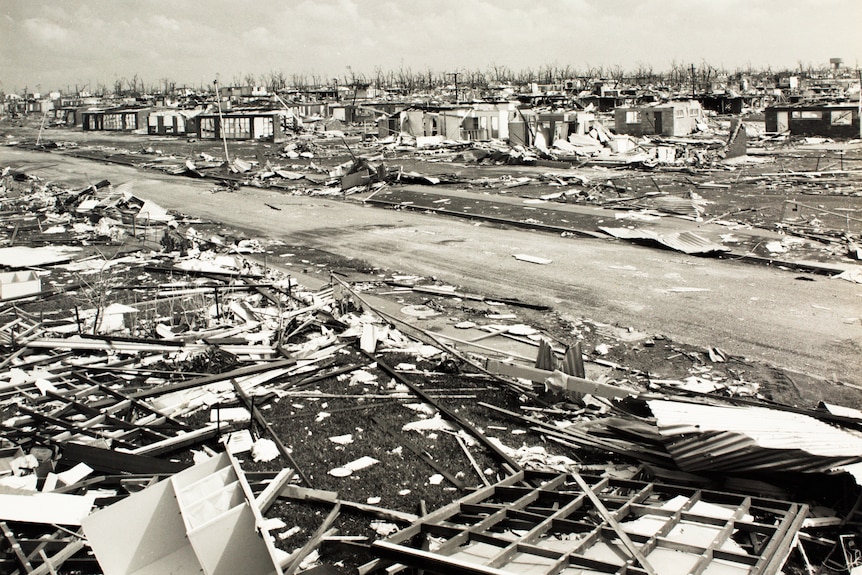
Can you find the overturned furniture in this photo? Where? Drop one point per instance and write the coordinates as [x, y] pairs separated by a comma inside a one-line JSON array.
[[538, 523], [201, 520]]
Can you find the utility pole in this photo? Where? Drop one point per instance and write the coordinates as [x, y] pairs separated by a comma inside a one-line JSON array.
[[455, 75], [221, 120], [692, 82], [859, 111]]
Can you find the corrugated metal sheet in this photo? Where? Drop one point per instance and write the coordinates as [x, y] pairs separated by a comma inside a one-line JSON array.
[[686, 242], [674, 205], [727, 438], [691, 243]]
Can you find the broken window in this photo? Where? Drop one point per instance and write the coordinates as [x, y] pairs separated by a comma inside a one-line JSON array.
[[113, 122], [806, 115], [680, 112], [263, 127], [841, 117], [208, 128], [237, 128]]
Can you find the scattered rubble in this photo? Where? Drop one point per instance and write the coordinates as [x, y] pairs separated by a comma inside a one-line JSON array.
[[170, 400]]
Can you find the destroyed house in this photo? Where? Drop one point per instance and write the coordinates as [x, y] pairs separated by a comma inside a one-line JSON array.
[[71, 115], [442, 121], [527, 125], [39, 106], [827, 120], [487, 121], [238, 92], [722, 103], [674, 118], [366, 112], [308, 109], [117, 119], [14, 104], [241, 125], [464, 122], [169, 122]]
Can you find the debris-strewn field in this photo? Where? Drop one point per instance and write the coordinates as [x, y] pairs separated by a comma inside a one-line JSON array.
[[181, 395]]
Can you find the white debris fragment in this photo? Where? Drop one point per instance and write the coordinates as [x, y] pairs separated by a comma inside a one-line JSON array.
[[289, 533], [264, 450], [383, 528], [421, 408], [273, 524], [356, 465], [346, 439], [230, 414], [532, 259], [436, 423], [685, 289], [239, 442]]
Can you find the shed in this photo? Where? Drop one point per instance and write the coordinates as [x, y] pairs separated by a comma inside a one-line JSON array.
[[116, 119], [674, 118], [243, 125], [815, 119], [169, 122]]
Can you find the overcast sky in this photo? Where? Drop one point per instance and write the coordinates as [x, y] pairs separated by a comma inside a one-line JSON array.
[[47, 45]]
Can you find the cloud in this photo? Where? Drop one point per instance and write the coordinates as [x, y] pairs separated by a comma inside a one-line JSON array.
[[190, 42], [165, 23], [46, 32]]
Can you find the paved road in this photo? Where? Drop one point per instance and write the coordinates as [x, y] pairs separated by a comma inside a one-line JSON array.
[[812, 327]]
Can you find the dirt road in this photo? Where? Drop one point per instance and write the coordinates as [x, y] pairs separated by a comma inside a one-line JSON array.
[[812, 327]]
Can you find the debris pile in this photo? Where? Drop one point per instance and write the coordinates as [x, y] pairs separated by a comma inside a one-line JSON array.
[[171, 400]]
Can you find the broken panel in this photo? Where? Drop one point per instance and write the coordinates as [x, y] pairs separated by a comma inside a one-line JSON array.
[[198, 521], [539, 524]]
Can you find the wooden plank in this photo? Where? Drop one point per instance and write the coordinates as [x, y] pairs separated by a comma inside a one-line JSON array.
[[57, 560], [422, 455], [258, 416], [431, 561], [111, 461], [447, 413], [16, 547], [297, 557], [614, 524], [273, 489], [304, 493], [228, 375], [472, 460], [180, 441], [778, 548], [71, 429]]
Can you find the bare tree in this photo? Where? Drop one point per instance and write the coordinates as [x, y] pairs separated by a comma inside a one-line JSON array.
[[275, 81], [133, 85]]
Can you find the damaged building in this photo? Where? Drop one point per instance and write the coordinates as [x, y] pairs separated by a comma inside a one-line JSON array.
[[832, 120], [673, 118]]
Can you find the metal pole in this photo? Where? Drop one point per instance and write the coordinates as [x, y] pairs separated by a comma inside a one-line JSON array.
[[221, 121], [859, 111]]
